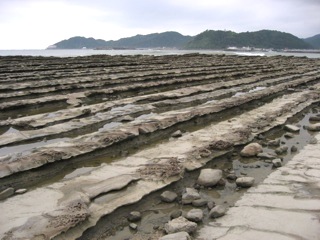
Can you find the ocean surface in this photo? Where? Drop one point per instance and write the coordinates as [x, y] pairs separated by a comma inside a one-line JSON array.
[[88, 52]]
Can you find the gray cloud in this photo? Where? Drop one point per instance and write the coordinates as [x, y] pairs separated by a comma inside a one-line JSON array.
[[42, 22]]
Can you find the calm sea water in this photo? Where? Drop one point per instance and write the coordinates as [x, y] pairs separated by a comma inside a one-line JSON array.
[[88, 52]]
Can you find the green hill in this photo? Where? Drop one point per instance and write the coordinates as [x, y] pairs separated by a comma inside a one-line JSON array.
[[155, 40], [261, 39], [314, 41]]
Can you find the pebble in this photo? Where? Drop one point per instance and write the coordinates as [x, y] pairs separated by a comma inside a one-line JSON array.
[[245, 182], [217, 211], [277, 162], [190, 195], [133, 226], [250, 150], [275, 142], [199, 202], [265, 156], [176, 134], [134, 216], [168, 196], [313, 140], [180, 224], [175, 214], [195, 215]]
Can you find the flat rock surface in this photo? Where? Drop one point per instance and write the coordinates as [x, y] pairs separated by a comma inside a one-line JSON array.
[[289, 195]]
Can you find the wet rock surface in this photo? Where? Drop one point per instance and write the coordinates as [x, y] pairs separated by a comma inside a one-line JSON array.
[[85, 144]]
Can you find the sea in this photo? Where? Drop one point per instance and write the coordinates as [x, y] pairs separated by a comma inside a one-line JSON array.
[[155, 52]]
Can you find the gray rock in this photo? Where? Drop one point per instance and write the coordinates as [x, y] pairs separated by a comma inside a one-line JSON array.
[[6, 193], [314, 118], [313, 127], [199, 202], [277, 162], [275, 142], [176, 134], [176, 236], [180, 224], [222, 182], [281, 150], [133, 226], [134, 216], [217, 211], [190, 195], [288, 135], [266, 156], [232, 177], [294, 149], [211, 204], [291, 128], [209, 177], [245, 182], [313, 140], [195, 215], [175, 214], [21, 191], [251, 150], [168, 196]]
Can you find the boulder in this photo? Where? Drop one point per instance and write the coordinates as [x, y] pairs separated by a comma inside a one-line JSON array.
[[168, 196], [245, 182], [6, 193], [313, 127], [277, 163], [217, 211], [180, 224], [176, 236], [195, 215], [134, 216], [251, 150], [190, 195], [209, 177], [291, 128]]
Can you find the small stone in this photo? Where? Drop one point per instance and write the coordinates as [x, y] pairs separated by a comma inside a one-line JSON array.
[[175, 214], [6, 193], [211, 204], [232, 177], [251, 150], [134, 216], [291, 128], [277, 162], [180, 224], [313, 127], [195, 215], [222, 182], [275, 142], [199, 202], [245, 182], [294, 149], [217, 211], [133, 226], [190, 195], [209, 177], [176, 134], [288, 135], [21, 191], [168, 196], [176, 236], [281, 150], [313, 140]]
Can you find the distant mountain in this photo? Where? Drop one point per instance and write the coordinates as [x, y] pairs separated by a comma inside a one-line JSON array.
[[261, 39], [155, 40], [314, 41]]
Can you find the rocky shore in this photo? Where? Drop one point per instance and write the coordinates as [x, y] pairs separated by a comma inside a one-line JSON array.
[[82, 138]]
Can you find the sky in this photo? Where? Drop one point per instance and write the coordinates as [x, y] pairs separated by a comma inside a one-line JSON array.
[[36, 24]]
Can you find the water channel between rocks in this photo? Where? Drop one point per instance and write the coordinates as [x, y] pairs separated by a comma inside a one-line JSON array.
[[156, 213]]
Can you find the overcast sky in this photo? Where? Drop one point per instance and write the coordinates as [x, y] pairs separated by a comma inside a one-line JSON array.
[[36, 24]]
